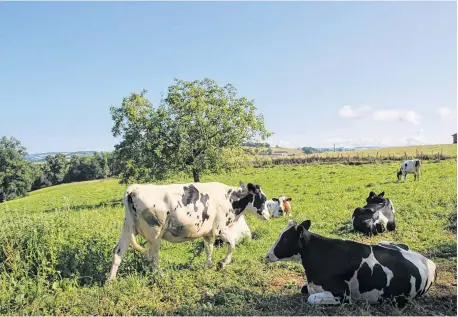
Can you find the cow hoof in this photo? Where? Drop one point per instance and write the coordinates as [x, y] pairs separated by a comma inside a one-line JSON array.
[[220, 265]]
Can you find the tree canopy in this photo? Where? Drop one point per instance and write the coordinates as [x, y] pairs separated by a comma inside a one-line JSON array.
[[15, 173], [194, 129]]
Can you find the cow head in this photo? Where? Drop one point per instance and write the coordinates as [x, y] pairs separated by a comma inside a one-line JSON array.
[[284, 205], [287, 246], [375, 199], [253, 200]]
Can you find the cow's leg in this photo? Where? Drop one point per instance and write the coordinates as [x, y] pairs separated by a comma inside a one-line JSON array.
[[153, 252], [208, 244], [227, 237], [119, 250]]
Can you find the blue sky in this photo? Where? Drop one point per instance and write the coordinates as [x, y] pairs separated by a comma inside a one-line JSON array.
[[350, 73]]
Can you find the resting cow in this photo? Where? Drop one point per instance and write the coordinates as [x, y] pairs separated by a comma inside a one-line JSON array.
[[184, 212], [238, 230], [376, 217], [279, 206], [409, 167], [340, 271]]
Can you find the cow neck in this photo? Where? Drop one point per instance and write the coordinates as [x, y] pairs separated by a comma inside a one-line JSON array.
[[376, 206], [240, 205]]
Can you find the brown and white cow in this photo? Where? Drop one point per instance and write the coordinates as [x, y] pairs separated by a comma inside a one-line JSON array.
[[183, 212]]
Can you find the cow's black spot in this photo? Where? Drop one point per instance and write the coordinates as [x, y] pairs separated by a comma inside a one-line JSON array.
[[150, 219], [204, 200], [118, 250], [197, 217], [405, 165], [190, 195], [168, 213], [417, 163], [228, 222], [371, 279], [228, 194], [129, 199]]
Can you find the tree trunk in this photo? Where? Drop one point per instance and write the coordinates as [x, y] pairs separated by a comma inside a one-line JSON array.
[[195, 174]]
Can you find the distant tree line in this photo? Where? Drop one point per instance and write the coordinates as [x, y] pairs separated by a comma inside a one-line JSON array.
[[256, 144], [311, 150], [17, 176]]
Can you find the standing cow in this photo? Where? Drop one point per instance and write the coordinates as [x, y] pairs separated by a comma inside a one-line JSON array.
[[376, 217], [409, 167], [184, 212], [340, 271]]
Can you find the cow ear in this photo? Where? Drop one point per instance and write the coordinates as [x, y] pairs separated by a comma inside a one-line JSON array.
[[242, 184], [251, 187], [371, 194], [381, 194], [306, 224], [289, 199], [275, 199]]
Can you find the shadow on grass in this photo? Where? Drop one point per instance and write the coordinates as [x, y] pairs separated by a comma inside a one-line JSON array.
[[234, 301], [344, 228], [63, 208], [446, 249], [452, 223]]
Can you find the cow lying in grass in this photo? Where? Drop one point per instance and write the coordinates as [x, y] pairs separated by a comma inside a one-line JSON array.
[[341, 271], [376, 217], [280, 206], [240, 230], [184, 212], [409, 167]]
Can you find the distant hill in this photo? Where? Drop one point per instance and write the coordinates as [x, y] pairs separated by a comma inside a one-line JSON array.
[[41, 157]]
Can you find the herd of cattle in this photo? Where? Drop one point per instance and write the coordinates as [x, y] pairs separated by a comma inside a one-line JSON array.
[[184, 212]]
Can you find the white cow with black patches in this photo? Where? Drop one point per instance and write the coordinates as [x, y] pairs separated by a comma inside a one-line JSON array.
[[183, 212], [363, 272], [409, 167]]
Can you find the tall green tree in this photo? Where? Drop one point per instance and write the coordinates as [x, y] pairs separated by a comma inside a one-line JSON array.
[[15, 172], [57, 168], [193, 130]]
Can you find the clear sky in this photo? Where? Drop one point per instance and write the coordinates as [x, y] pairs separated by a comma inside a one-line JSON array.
[[350, 73]]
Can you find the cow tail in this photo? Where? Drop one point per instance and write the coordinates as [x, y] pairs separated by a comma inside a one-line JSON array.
[[130, 221]]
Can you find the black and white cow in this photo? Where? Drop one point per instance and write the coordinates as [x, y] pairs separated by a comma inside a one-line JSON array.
[[409, 167], [340, 271], [184, 212], [376, 217], [239, 229]]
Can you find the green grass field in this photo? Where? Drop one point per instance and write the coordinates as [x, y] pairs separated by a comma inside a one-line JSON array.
[[56, 247]]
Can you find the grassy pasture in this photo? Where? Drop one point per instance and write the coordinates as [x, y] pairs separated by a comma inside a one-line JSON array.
[[56, 247]]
